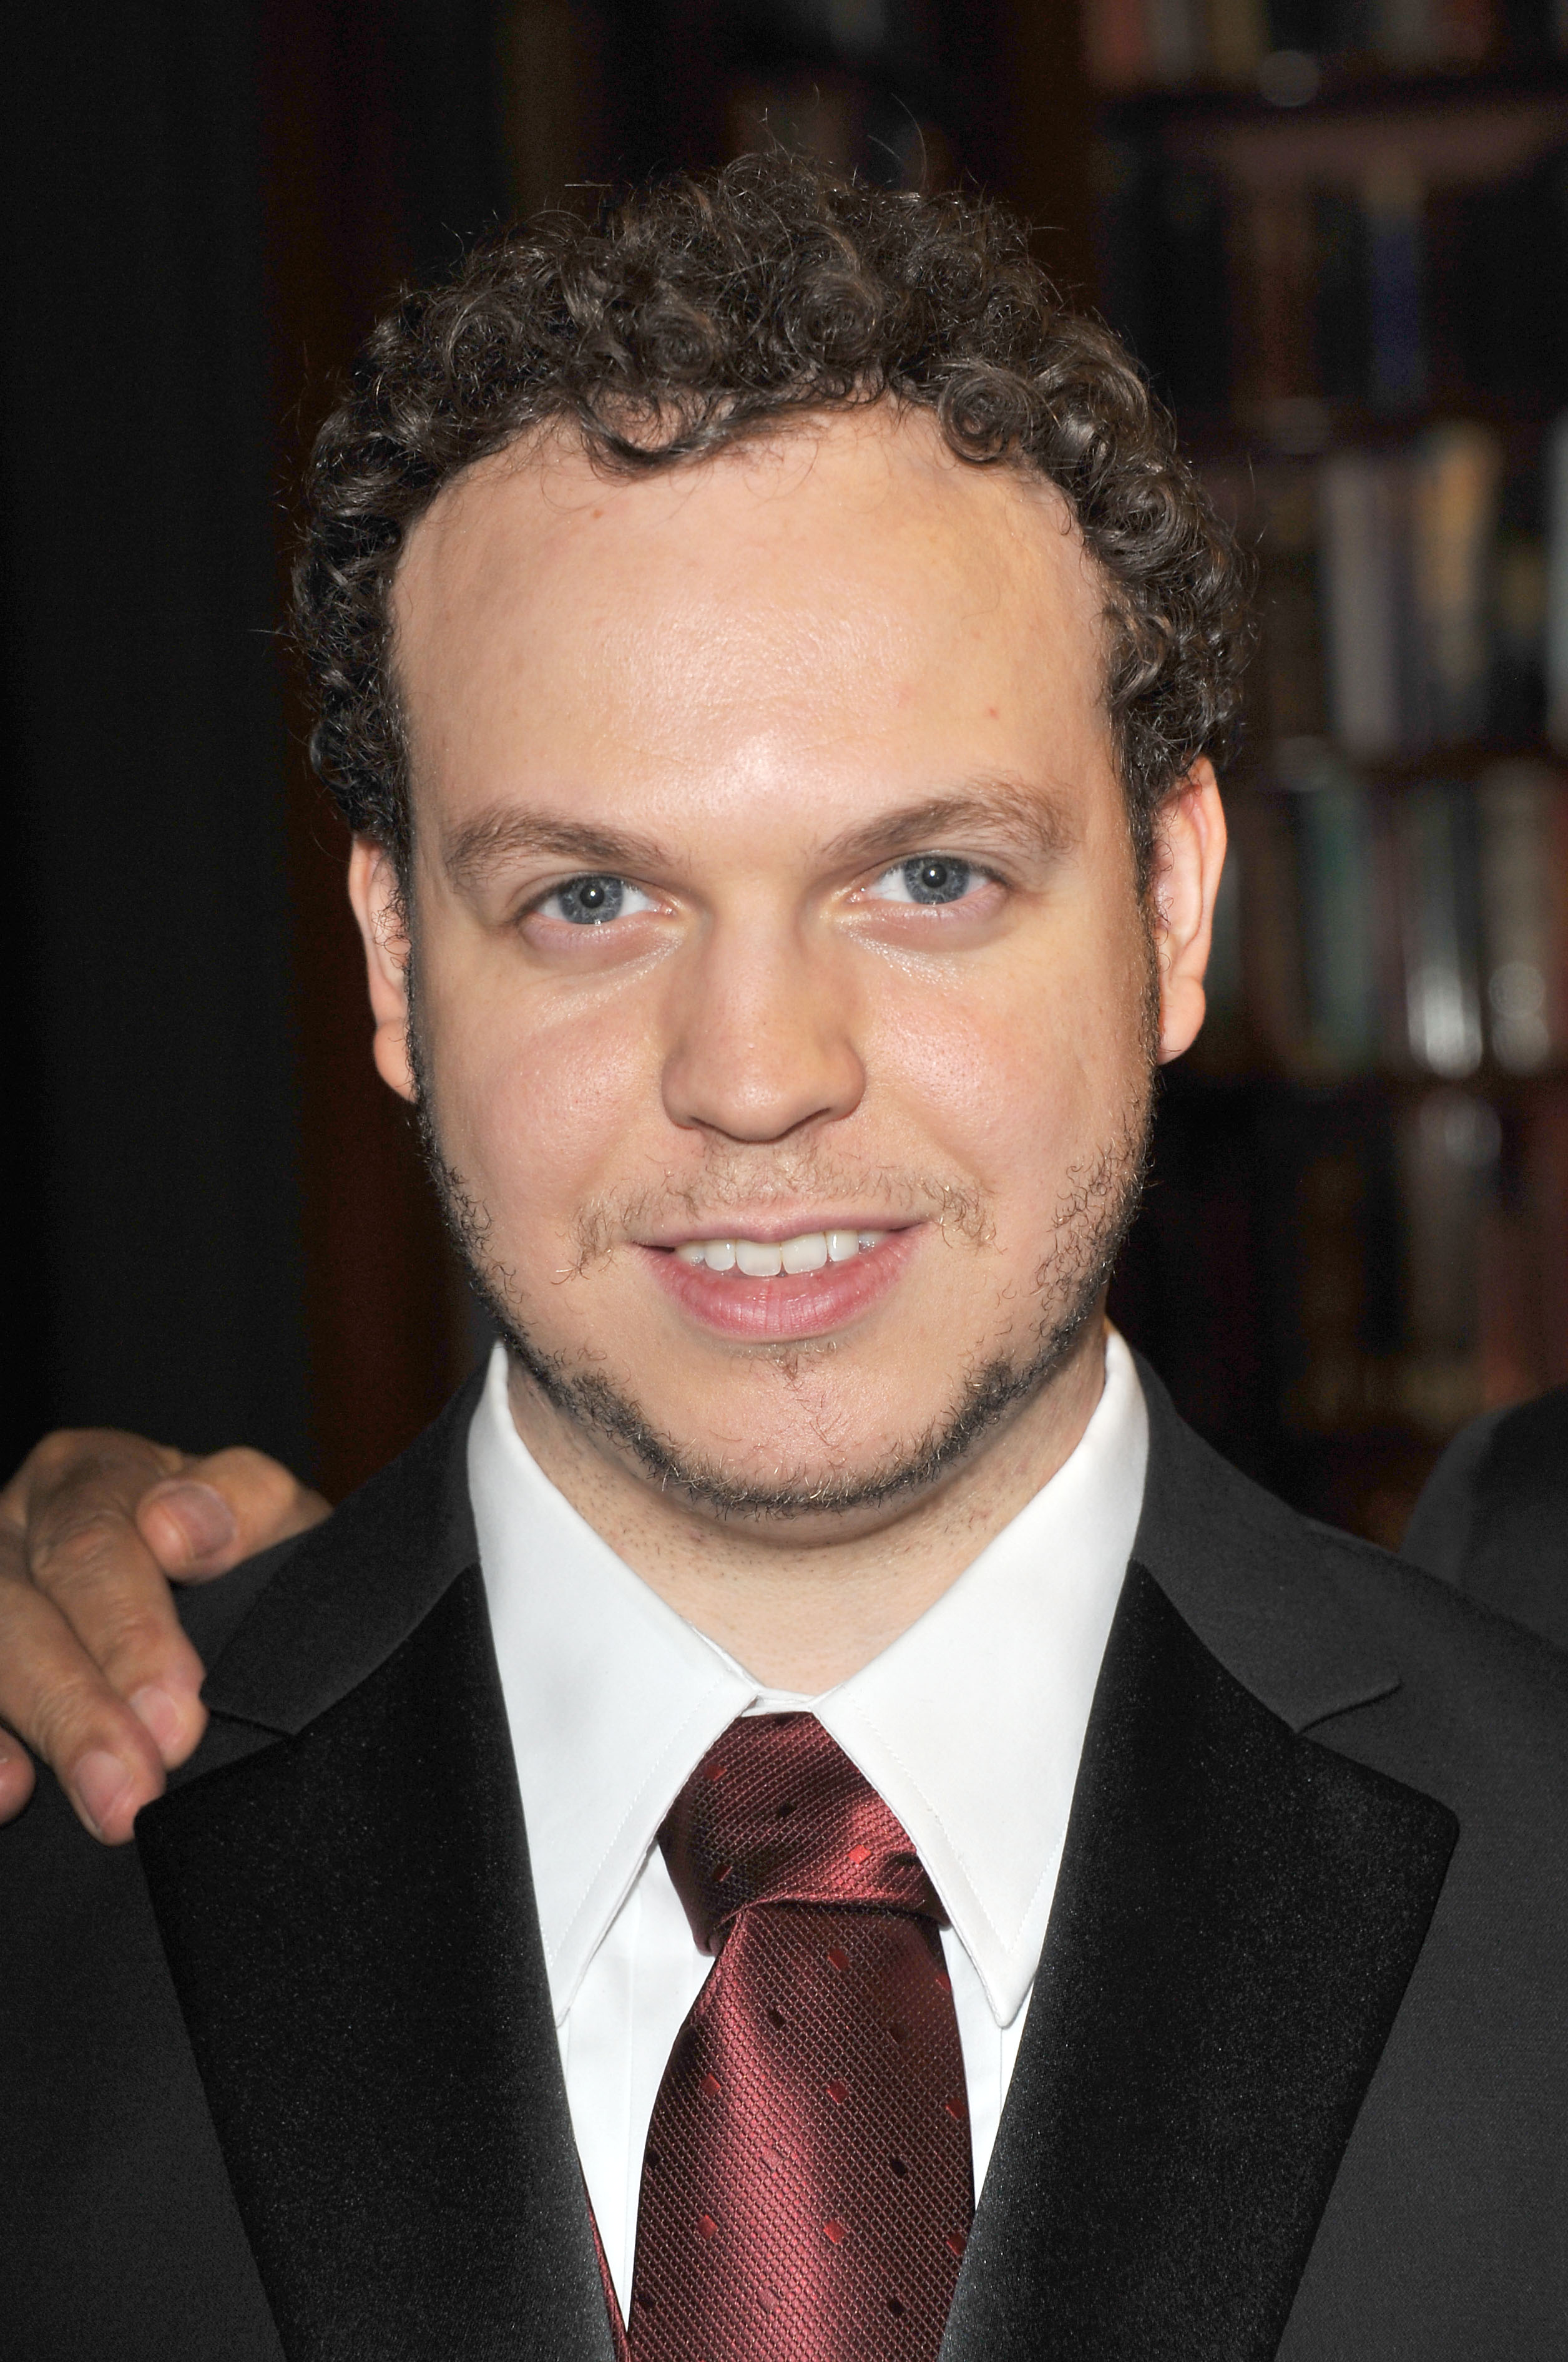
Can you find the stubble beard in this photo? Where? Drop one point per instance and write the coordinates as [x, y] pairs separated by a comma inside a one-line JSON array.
[[1092, 1219]]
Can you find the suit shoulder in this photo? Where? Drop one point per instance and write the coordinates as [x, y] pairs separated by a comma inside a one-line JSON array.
[[1411, 1603], [1479, 1718], [1493, 1518], [1506, 1460], [1534, 1433], [1361, 1648], [1438, 1535]]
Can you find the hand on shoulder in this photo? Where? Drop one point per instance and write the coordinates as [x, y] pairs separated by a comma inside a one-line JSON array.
[[96, 1675]]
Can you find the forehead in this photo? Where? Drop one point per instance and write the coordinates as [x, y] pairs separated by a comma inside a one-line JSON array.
[[845, 588]]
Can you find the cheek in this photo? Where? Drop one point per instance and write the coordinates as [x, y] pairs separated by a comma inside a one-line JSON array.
[[1019, 1072], [537, 1110]]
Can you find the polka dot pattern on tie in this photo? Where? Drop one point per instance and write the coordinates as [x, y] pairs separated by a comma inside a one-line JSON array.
[[806, 2188]]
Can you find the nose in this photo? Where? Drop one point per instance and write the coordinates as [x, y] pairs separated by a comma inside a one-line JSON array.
[[762, 1034]]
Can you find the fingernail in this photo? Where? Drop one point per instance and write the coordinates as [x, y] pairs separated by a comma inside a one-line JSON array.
[[100, 1780], [204, 1518], [159, 1713]]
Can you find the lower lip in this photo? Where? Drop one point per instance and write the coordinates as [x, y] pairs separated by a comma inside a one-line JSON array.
[[796, 1304]]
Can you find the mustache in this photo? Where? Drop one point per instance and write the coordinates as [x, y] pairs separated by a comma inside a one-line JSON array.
[[729, 1184]]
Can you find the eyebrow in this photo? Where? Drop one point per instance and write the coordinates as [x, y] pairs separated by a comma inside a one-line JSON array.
[[1031, 818], [497, 837]]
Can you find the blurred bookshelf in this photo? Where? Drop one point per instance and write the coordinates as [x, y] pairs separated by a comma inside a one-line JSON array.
[[1337, 233]]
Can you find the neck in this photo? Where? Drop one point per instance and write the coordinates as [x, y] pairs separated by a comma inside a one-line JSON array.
[[803, 1605]]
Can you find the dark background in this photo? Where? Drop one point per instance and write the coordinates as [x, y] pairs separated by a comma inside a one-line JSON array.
[[217, 1229]]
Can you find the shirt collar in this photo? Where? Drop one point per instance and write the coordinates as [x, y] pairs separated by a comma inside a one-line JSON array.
[[969, 1726]]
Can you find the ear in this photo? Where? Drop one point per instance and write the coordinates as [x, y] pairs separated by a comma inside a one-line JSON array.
[[383, 930], [1189, 853]]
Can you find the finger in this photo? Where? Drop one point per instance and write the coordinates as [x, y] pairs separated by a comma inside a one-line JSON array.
[[53, 1695], [222, 1509], [63, 1457], [82, 1549], [16, 1776]]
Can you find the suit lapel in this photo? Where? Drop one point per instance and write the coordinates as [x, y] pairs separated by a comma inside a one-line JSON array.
[[1238, 1913], [349, 1923]]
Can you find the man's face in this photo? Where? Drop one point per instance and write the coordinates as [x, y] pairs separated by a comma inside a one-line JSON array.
[[773, 901]]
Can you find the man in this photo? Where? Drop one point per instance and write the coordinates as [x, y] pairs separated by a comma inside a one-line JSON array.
[[810, 1738], [1493, 1519]]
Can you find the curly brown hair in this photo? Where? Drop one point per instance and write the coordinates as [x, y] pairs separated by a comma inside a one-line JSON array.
[[702, 310]]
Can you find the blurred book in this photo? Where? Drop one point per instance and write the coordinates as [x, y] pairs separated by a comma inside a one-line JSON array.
[[1516, 705], [1455, 471], [1405, 32], [1396, 244], [1177, 38], [1556, 661], [1332, 1263], [1116, 43], [1290, 673], [1239, 39], [1497, 287], [1468, 31], [1407, 597], [1406, 566], [1342, 295], [1522, 811], [1414, 928], [1229, 43], [1165, 267], [1381, 273], [1282, 255], [1270, 920], [1338, 875], [1360, 511], [1434, 837], [1449, 1144], [1544, 1161]]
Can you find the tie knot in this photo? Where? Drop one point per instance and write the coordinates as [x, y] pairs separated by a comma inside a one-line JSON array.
[[776, 1812]]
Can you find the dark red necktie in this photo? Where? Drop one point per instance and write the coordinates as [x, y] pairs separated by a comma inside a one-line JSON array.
[[807, 2189]]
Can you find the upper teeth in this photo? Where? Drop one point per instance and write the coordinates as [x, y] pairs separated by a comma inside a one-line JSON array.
[[755, 1259]]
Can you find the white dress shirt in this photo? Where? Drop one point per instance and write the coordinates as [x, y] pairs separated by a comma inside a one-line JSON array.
[[969, 1727]]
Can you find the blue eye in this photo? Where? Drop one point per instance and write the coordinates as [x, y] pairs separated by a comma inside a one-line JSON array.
[[930, 877], [593, 901], [933, 879]]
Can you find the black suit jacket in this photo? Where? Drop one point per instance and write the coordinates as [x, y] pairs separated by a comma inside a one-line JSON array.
[[1493, 1518], [282, 2081]]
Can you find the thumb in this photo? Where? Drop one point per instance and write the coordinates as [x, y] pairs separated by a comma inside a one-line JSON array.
[[222, 1509]]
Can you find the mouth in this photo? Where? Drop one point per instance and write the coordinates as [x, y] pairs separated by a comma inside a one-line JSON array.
[[773, 1290]]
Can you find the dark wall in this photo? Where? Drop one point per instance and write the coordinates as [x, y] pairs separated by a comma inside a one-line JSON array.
[[153, 1261], [204, 208], [382, 154]]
